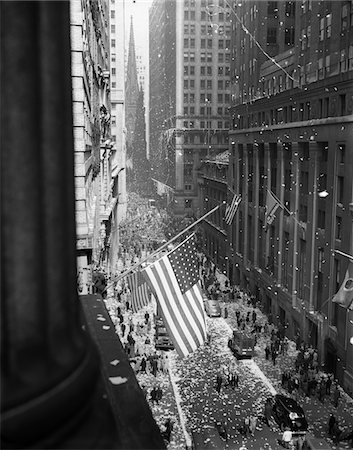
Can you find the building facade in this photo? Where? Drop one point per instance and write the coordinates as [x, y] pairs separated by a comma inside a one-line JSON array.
[[213, 188], [118, 131], [291, 134], [98, 133], [189, 92]]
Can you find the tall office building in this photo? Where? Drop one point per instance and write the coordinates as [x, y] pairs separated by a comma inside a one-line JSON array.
[[292, 91], [189, 92], [91, 121], [118, 135]]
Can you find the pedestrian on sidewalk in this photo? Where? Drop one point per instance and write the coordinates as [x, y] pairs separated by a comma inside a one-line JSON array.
[[267, 351], [286, 438], [328, 385], [336, 395], [331, 423], [219, 381], [274, 356], [253, 423], [268, 411]]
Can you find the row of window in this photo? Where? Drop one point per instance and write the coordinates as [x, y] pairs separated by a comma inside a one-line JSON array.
[[206, 98], [190, 110], [287, 114], [222, 70], [190, 28], [206, 15], [222, 43], [206, 124], [207, 84], [209, 3]]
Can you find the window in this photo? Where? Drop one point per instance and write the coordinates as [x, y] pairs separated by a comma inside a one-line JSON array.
[[192, 56], [112, 28], [343, 104], [113, 84], [203, 84], [289, 36], [209, 70], [220, 111], [203, 15], [209, 84], [209, 43], [192, 15], [188, 203], [220, 57], [220, 84], [112, 14], [203, 43], [113, 71], [202, 70], [338, 227], [344, 17], [321, 29], [290, 9], [340, 189], [186, 15], [321, 217], [113, 43], [343, 61], [192, 111], [186, 70], [327, 63], [192, 84], [272, 9], [350, 54], [220, 98], [192, 29], [192, 98], [192, 43], [328, 25], [220, 43], [192, 70], [186, 84], [221, 17], [186, 110], [186, 98], [271, 35], [186, 43]]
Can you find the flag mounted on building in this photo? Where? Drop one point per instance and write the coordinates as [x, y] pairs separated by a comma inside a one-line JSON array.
[[232, 209], [272, 204], [175, 281], [344, 295], [140, 291]]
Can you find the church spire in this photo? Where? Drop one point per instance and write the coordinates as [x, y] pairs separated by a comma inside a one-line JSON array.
[[131, 86]]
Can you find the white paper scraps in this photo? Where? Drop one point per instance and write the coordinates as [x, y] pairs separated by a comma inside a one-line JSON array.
[[114, 362], [117, 380]]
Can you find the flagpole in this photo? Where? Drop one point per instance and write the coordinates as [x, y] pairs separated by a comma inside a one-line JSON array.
[[123, 275], [344, 254]]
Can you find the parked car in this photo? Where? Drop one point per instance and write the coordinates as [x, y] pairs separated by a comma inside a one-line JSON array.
[[163, 340], [242, 344], [212, 307], [287, 413]]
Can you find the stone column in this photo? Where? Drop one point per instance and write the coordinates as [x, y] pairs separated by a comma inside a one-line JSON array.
[[48, 367]]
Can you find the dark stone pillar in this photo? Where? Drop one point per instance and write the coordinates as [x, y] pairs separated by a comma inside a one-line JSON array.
[[49, 368]]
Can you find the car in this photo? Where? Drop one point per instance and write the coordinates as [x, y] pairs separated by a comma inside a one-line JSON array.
[[287, 413], [163, 341], [212, 307], [242, 344]]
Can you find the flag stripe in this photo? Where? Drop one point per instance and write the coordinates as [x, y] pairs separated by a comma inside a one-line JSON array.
[[179, 340], [183, 314], [139, 291]]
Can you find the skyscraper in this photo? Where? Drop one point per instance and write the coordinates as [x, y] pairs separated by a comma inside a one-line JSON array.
[[189, 92]]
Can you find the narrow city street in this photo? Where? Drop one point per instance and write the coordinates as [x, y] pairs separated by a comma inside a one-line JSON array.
[[189, 395]]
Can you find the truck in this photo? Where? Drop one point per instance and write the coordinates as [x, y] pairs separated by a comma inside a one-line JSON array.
[[242, 344]]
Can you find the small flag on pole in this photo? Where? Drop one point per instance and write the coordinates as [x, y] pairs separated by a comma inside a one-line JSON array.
[[232, 209], [344, 295], [175, 280], [140, 292], [272, 204]]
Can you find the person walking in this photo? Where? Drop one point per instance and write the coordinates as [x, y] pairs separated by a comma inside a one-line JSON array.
[[268, 412], [219, 382], [331, 423], [336, 396], [253, 423], [286, 438]]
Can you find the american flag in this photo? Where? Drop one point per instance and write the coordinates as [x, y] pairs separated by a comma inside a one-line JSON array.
[[140, 292], [344, 296], [175, 280], [232, 209]]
